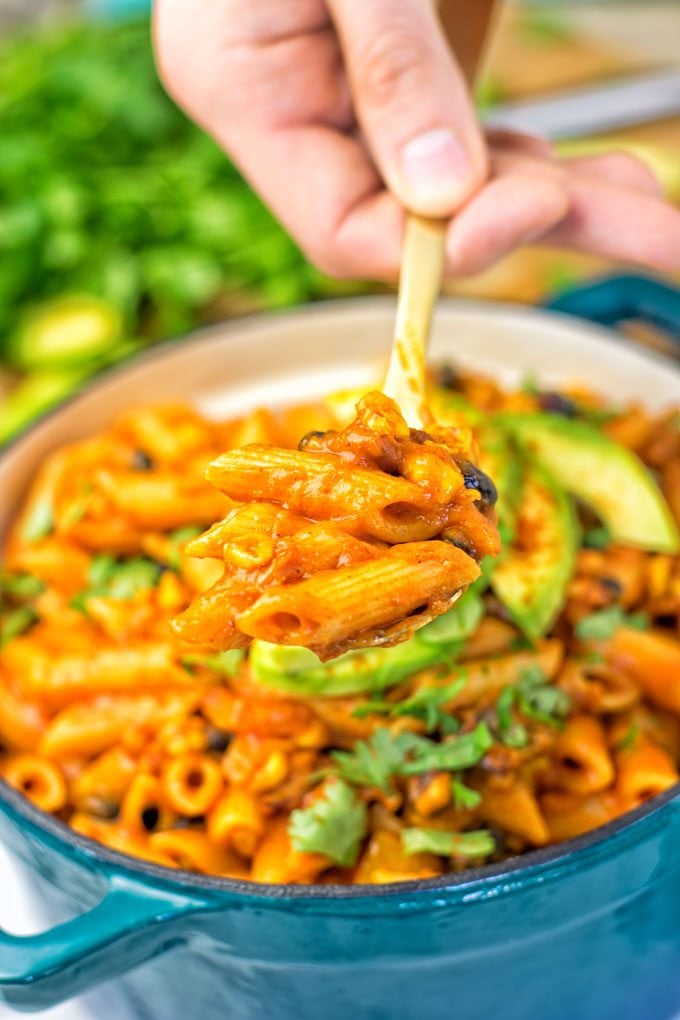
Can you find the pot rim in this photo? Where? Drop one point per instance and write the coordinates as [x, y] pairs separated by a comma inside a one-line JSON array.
[[543, 860]]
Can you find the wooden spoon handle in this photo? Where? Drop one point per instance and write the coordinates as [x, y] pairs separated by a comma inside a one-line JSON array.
[[422, 265]]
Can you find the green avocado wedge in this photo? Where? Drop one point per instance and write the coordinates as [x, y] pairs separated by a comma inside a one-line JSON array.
[[605, 475], [299, 671], [498, 459], [532, 574]]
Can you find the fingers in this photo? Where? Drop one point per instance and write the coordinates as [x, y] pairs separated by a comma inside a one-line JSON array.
[[510, 211], [619, 223], [618, 168], [412, 102], [519, 141]]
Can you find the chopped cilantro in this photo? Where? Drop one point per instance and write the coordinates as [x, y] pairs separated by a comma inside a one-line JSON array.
[[604, 623], [334, 825], [536, 698], [460, 752], [479, 843], [541, 700], [15, 623], [630, 736], [464, 797], [373, 762], [117, 579], [511, 733], [426, 704], [19, 587]]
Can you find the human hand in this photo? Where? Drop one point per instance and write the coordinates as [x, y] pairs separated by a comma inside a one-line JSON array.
[[342, 113]]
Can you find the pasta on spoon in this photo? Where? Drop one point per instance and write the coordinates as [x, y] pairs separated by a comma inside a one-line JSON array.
[[356, 539], [361, 536]]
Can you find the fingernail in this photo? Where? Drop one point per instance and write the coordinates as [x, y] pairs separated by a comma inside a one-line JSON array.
[[435, 169]]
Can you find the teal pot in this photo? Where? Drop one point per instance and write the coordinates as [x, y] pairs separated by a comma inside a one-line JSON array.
[[589, 929]]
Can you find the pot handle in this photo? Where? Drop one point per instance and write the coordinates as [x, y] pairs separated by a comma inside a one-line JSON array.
[[130, 925], [618, 298]]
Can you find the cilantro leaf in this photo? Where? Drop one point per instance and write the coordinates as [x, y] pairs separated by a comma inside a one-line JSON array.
[[425, 704], [117, 579], [373, 762], [536, 698], [630, 736], [15, 623], [478, 843], [464, 797], [604, 623], [334, 825], [460, 752]]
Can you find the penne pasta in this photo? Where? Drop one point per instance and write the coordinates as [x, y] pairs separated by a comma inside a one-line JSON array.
[[325, 611]]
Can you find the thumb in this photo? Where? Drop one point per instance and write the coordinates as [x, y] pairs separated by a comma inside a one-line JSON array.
[[412, 102]]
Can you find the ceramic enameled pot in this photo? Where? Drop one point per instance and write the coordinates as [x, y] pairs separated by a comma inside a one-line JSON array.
[[589, 929]]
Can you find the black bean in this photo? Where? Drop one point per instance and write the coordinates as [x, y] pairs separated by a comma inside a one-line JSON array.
[[141, 461], [474, 478], [556, 403], [447, 377], [217, 740], [612, 585]]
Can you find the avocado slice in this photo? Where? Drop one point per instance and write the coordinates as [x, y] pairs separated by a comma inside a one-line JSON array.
[[67, 331], [498, 459], [299, 671], [605, 475], [532, 575]]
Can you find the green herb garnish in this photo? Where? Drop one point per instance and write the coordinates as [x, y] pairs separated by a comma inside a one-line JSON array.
[[376, 761], [16, 622], [117, 579], [479, 843], [630, 736], [535, 697], [427, 704], [451, 755], [604, 623], [464, 797], [334, 825], [541, 700]]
